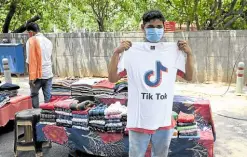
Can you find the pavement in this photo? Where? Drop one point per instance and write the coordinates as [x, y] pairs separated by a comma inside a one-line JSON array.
[[229, 114]]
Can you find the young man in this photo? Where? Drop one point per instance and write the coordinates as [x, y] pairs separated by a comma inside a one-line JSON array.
[[39, 51], [151, 68]]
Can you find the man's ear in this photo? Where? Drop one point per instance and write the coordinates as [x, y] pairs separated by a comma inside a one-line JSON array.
[[142, 27]]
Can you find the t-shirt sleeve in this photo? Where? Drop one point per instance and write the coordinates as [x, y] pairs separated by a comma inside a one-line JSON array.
[[180, 63], [27, 52], [122, 65]]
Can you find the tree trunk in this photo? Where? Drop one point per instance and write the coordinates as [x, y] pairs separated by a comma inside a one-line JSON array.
[[188, 26], [22, 28], [101, 25], [9, 16]]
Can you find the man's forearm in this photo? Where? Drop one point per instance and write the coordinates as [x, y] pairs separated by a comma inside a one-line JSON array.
[[112, 69], [189, 68]]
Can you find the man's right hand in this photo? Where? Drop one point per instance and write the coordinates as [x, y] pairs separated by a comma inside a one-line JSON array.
[[125, 45], [31, 83]]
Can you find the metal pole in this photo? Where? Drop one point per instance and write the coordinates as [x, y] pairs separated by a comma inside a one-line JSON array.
[[7, 73], [240, 78]]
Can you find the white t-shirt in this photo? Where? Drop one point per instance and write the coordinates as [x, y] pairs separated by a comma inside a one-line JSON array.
[[46, 50], [151, 69]]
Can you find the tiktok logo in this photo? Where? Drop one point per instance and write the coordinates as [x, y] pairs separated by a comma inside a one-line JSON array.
[[159, 69]]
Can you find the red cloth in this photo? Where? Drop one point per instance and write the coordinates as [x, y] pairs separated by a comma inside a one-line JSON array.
[[84, 112], [16, 104], [65, 104], [104, 84], [185, 118], [51, 104]]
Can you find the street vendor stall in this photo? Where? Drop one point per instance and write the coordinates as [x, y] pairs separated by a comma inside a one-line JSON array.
[[78, 124], [11, 102]]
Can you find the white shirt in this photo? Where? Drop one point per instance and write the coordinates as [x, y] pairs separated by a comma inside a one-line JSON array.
[[46, 50], [151, 69]]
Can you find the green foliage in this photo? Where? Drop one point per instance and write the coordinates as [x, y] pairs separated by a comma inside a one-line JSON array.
[[125, 15]]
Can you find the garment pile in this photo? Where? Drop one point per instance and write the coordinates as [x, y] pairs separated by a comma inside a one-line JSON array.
[[64, 113], [10, 90], [103, 87], [80, 114], [62, 87], [83, 87], [187, 127]]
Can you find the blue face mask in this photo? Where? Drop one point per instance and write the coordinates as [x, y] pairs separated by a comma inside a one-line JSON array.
[[154, 35]]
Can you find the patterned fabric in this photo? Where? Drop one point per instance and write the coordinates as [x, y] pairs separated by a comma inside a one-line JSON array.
[[180, 128], [4, 99], [64, 121], [119, 116], [113, 125], [47, 111], [80, 116], [47, 116], [80, 127], [82, 106], [79, 120], [185, 118], [186, 124], [100, 122], [83, 124], [47, 120]]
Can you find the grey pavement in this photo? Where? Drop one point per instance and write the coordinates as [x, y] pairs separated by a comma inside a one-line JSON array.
[[229, 114]]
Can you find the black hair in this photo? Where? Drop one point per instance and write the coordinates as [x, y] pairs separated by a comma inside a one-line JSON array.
[[33, 27], [152, 15]]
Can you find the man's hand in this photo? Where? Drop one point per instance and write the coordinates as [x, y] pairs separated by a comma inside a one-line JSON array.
[[125, 45], [184, 46], [31, 83]]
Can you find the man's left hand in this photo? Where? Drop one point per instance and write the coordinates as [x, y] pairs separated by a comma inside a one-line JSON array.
[[184, 46]]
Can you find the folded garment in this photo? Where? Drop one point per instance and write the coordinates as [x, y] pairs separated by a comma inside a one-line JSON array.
[[47, 116], [64, 121], [80, 127], [114, 124], [112, 120], [11, 93], [65, 117], [63, 113], [186, 124], [9, 86], [185, 118], [63, 109], [175, 115], [180, 128], [98, 111], [100, 122], [79, 120], [84, 124], [188, 134], [64, 125], [80, 116], [113, 116], [85, 112], [96, 117], [65, 104], [82, 106], [116, 109], [96, 129], [47, 120], [47, 123], [47, 112], [4, 100], [104, 84], [190, 137]]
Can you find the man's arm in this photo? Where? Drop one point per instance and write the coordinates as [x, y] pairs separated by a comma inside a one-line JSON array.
[[113, 75], [189, 68], [113, 70]]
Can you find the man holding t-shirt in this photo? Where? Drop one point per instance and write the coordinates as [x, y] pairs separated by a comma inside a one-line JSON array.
[[151, 68]]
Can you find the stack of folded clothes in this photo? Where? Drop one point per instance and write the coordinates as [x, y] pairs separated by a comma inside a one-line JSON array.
[[80, 114], [116, 117], [187, 126], [62, 87], [83, 87], [10, 90], [47, 115], [97, 118], [63, 111], [4, 99], [121, 87], [103, 87]]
